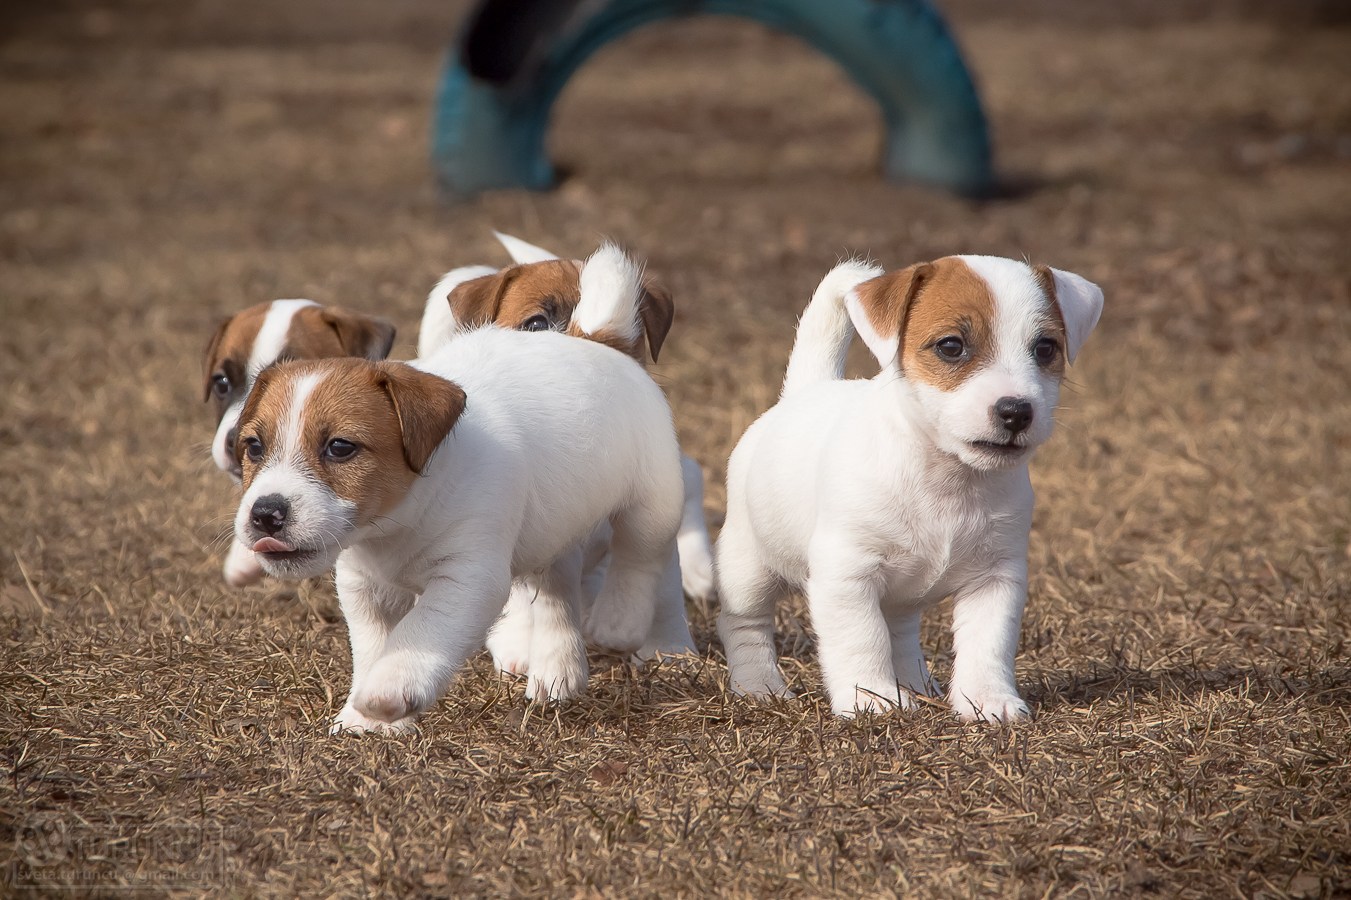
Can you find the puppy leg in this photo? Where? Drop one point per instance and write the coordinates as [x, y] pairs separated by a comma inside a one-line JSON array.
[[509, 638], [640, 550], [696, 548], [431, 642], [241, 566], [907, 656], [558, 666], [371, 609], [854, 640], [670, 634], [986, 619], [748, 591]]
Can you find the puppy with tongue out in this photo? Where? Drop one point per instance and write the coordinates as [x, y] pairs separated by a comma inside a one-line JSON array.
[[432, 485]]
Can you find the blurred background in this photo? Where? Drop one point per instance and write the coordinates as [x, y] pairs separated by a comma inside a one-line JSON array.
[[165, 164]]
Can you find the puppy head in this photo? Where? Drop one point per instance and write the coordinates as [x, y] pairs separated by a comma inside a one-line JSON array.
[[248, 342], [327, 447], [605, 299], [981, 343]]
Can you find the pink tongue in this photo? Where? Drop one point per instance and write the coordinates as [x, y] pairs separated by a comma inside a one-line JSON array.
[[272, 545]]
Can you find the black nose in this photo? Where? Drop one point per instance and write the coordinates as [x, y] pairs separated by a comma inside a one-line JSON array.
[[269, 513], [1014, 412]]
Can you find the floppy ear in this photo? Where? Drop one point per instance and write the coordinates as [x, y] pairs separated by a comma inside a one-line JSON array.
[[427, 408], [475, 302], [210, 363], [522, 252], [359, 334], [657, 311], [878, 308], [1079, 301]]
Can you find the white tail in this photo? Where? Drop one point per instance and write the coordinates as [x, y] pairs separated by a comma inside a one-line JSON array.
[[824, 332], [522, 252], [612, 285]]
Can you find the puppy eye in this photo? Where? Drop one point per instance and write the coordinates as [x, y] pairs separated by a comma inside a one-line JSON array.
[[536, 323], [220, 384], [253, 449], [1045, 350], [338, 450], [950, 348]]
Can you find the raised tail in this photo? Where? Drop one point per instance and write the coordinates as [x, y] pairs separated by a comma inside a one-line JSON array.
[[824, 332], [612, 290]]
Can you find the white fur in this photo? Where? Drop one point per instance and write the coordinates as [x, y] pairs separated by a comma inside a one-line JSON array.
[[513, 490], [511, 635], [612, 285], [825, 331], [867, 495]]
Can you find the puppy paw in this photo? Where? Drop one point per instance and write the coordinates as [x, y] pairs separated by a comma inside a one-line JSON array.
[[242, 567], [761, 684], [989, 706], [623, 633], [395, 689], [349, 721], [884, 699], [696, 568], [558, 667], [676, 652], [509, 644]]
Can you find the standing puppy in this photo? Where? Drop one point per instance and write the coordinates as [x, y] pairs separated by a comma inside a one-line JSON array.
[[878, 498], [521, 451], [250, 341], [543, 293]]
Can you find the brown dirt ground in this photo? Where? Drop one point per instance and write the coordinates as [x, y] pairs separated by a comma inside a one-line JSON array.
[[1186, 645]]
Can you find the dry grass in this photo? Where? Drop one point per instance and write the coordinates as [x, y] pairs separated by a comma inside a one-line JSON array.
[[1186, 647]]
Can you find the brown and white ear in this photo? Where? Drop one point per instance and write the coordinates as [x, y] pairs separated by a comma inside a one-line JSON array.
[[657, 311], [211, 358], [522, 252], [361, 335], [878, 308], [427, 408], [1080, 303], [438, 318]]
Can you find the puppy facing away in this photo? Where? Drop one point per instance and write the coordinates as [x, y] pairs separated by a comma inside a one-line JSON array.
[[253, 339], [542, 293], [434, 484], [878, 498]]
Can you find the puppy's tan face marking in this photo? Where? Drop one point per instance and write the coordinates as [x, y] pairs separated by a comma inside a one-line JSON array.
[[945, 314], [363, 429], [312, 332], [543, 296]]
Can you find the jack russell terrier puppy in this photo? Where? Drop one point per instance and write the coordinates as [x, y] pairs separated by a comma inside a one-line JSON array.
[[433, 484], [253, 339], [878, 498], [541, 293]]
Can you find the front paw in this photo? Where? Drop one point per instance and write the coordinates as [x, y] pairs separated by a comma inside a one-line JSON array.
[[509, 644], [397, 687], [557, 676], [989, 706], [350, 721]]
